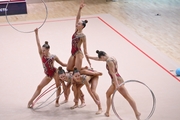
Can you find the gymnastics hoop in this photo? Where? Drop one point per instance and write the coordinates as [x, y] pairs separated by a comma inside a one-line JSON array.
[[153, 96], [44, 93], [26, 31]]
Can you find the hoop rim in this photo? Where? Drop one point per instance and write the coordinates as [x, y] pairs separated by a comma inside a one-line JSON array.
[[153, 96], [31, 30], [42, 105]]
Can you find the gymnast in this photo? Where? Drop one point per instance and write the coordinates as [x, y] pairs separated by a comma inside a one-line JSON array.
[[90, 82], [67, 77], [78, 39], [112, 67], [49, 69]]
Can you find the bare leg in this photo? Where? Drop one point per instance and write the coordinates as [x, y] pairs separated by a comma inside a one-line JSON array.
[[71, 63], [108, 97], [89, 72], [78, 61], [58, 89], [94, 83], [78, 95], [81, 97], [66, 93], [78, 64], [43, 83], [126, 95], [74, 88]]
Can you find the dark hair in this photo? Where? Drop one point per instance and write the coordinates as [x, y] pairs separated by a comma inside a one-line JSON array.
[[60, 70], [46, 45], [84, 23], [100, 53], [75, 71]]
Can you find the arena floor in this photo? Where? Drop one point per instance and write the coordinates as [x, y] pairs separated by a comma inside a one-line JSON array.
[[21, 70]]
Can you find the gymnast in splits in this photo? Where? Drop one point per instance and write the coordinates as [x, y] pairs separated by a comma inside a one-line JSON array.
[[112, 67], [49, 70], [78, 39]]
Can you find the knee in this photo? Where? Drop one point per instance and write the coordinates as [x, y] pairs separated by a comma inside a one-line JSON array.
[[108, 95], [70, 67], [58, 85], [82, 71], [93, 91]]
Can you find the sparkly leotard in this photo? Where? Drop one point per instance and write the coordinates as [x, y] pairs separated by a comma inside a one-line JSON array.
[[49, 69], [75, 41], [84, 78], [115, 64], [69, 77]]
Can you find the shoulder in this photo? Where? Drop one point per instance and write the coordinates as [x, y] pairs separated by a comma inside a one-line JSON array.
[[42, 56], [109, 60], [81, 35], [88, 78], [114, 60], [69, 74], [52, 56]]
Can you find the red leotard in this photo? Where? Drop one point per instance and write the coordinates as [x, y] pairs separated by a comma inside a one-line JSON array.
[[48, 66], [117, 74], [75, 41]]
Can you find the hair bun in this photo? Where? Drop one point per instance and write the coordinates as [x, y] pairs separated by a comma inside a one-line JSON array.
[[46, 42], [75, 71], [59, 68], [75, 68], [86, 21], [97, 51]]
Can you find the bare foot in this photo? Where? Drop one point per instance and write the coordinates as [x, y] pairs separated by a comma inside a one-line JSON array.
[[82, 105], [73, 107], [65, 101], [57, 105], [30, 104], [106, 114], [98, 74], [99, 111], [138, 116]]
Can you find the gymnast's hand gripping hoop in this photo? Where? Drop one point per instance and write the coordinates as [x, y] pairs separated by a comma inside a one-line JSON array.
[[26, 31]]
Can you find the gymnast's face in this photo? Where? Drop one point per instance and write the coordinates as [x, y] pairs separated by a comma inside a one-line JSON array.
[[76, 76], [79, 25], [103, 58], [62, 76], [45, 51]]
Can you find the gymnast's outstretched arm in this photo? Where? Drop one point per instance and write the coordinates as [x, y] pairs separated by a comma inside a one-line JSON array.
[[38, 42], [79, 13]]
